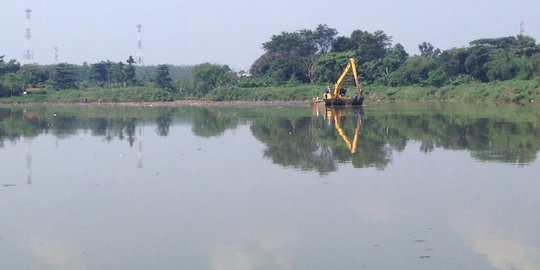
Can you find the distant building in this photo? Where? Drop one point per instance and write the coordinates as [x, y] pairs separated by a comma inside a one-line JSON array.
[[30, 89], [243, 74]]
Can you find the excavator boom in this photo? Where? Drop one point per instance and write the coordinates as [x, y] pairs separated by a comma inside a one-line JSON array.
[[336, 97], [351, 65]]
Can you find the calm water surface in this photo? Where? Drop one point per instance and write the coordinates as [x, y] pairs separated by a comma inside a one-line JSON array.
[[420, 187]]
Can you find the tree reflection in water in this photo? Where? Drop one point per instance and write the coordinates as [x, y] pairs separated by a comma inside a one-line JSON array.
[[163, 121], [290, 142], [303, 139], [319, 143]]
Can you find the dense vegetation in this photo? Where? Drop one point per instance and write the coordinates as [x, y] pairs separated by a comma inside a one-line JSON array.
[[319, 55], [304, 60]]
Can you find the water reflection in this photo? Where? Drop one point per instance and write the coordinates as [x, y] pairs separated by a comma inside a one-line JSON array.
[[292, 141], [211, 123], [503, 248], [334, 117], [212, 188], [163, 121], [308, 140]]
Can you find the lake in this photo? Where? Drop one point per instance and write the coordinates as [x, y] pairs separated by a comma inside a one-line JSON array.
[[391, 186]]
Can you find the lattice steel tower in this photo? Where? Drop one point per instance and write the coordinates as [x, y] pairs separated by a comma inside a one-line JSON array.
[[28, 55], [140, 59], [56, 54], [521, 28]]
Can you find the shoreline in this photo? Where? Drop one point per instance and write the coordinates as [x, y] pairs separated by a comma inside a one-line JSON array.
[[196, 103], [239, 103], [220, 103]]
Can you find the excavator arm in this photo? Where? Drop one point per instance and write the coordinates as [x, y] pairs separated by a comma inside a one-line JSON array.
[[336, 97], [351, 65]]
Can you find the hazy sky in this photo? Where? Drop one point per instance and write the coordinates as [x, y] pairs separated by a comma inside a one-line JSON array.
[[185, 32]]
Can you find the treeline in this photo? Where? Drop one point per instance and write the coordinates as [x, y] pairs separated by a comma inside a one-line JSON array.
[[319, 56], [302, 57], [16, 78]]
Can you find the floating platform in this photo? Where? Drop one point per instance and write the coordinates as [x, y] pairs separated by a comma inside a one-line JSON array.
[[341, 102]]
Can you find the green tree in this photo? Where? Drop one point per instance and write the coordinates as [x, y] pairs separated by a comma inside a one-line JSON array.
[[11, 66], [427, 50], [129, 71], [163, 79], [330, 66], [377, 71], [367, 46], [452, 61], [437, 77], [101, 72], [270, 68], [107, 72], [33, 75], [415, 70], [323, 37], [117, 72], [499, 43], [503, 65], [285, 55], [210, 76], [183, 86], [318, 42], [294, 54], [343, 44], [3, 93], [395, 57], [526, 46], [478, 56], [64, 76], [13, 84], [372, 70], [530, 67], [85, 72], [370, 51]]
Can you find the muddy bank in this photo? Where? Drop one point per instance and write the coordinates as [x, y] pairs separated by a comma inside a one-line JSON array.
[[196, 103]]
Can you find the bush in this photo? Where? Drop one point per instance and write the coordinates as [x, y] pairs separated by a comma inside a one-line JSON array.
[[301, 92]]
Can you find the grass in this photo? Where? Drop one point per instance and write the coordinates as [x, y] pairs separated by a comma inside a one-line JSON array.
[[519, 91], [129, 94], [513, 91], [302, 92]]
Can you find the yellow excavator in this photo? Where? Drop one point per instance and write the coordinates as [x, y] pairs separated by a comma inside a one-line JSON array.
[[336, 96]]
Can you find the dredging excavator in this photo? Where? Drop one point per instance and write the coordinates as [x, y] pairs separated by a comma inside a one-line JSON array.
[[337, 96]]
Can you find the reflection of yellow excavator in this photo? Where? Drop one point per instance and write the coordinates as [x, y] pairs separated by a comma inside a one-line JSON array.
[[336, 97], [336, 116]]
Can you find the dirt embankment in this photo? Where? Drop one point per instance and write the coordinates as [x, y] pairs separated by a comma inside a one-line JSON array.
[[204, 103]]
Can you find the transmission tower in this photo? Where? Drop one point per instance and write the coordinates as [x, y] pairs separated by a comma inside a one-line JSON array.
[[521, 28], [56, 54], [140, 59], [28, 55]]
